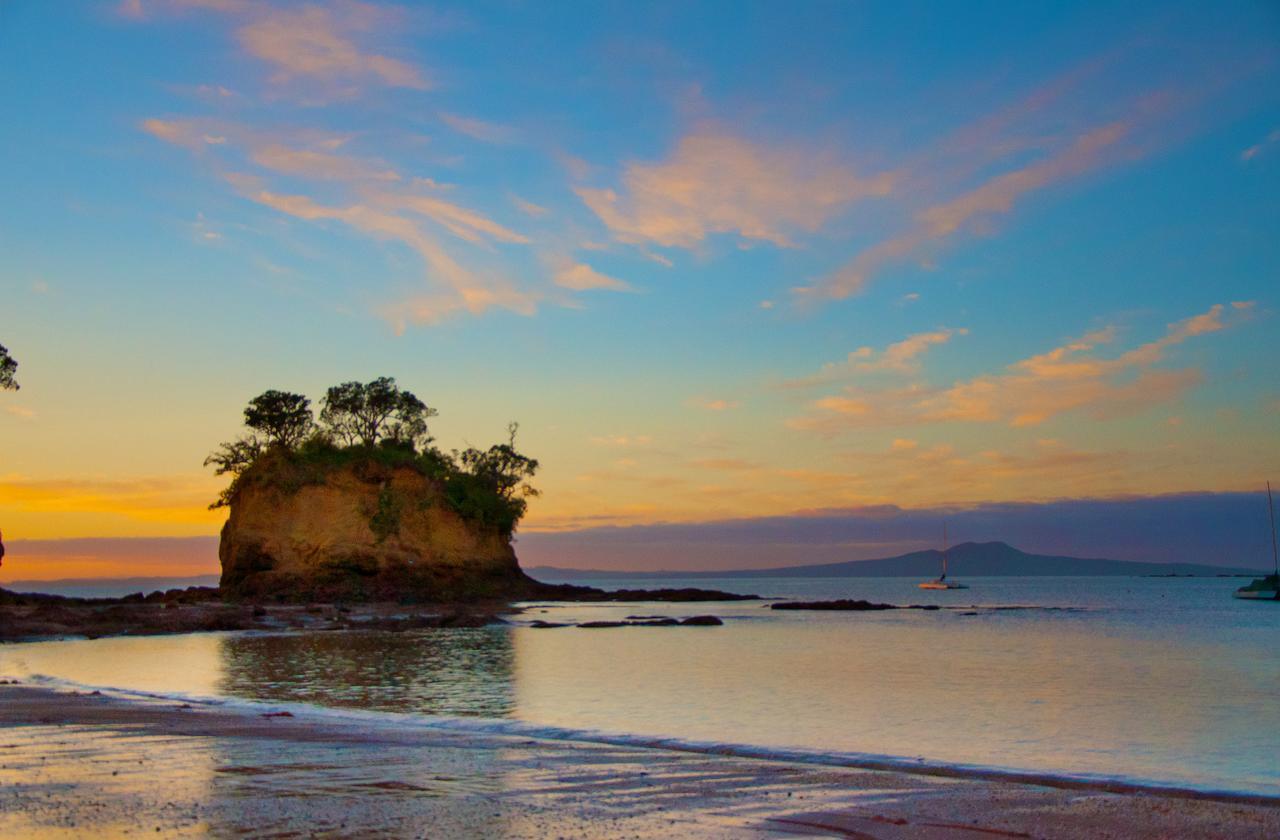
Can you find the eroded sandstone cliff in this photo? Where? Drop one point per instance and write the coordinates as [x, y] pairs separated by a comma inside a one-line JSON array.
[[361, 533]]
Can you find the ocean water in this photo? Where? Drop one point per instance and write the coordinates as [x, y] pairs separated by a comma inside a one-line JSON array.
[[1158, 680]]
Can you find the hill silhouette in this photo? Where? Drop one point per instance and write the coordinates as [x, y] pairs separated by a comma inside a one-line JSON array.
[[964, 559]]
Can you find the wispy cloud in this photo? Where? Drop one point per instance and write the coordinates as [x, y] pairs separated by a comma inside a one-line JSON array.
[[1069, 378], [716, 404], [381, 203], [1261, 146], [528, 208], [900, 357], [622, 440], [970, 210], [325, 47], [471, 292], [485, 132], [581, 277], [717, 183]]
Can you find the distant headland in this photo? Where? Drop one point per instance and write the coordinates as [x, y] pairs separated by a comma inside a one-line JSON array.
[[966, 559]]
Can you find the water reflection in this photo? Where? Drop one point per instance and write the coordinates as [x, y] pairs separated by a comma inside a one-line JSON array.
[[445, 672]]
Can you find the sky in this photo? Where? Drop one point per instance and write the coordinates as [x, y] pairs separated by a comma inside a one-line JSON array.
[[724, 262]]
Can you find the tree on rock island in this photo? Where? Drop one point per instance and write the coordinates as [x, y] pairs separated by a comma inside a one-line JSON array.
[[8, 367], [372, 428], [373, 412], [283, 418]]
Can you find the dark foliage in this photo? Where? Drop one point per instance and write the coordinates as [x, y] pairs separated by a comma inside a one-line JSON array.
[[372, 429], [375, 412], [281, 417], [8, 369]]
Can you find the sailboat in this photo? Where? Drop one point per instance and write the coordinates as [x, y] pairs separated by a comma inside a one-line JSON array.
[[942, 582], [1266, 588]]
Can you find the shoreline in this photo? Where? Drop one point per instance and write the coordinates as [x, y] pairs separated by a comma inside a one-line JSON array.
[[402, 722], [547, 786]]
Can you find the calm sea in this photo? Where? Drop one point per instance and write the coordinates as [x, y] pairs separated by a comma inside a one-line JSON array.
[[1147, 679]]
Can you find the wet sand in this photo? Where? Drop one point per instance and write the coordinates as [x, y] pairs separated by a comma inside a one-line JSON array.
[[76, 765]]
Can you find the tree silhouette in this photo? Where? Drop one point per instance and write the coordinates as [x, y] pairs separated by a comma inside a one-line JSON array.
[[373, 412], [8, 367], [283, 418], [372, 427]]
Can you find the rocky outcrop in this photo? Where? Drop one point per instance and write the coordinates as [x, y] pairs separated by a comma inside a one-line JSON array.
[[361, 533]]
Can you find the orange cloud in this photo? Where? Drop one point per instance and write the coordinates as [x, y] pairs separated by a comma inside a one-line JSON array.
[[940, 221], [537, 211], [622, 440], [581, 277], [54, 559], [1257, 148], [471, 292], [60, 506], [717, 404], [314, 164], [1065, 379], [899, 357], [318, 44], [485, 132], [381, 206], [716, 183]]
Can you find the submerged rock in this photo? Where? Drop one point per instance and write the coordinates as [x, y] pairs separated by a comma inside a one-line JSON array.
[[653, 621], [571, 592], [841, 604], [848, 605]]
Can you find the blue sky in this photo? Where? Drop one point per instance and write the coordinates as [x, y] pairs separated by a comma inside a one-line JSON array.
[[720, 260]]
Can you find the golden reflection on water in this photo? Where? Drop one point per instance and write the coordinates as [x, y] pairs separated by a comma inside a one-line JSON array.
[[454, 672]]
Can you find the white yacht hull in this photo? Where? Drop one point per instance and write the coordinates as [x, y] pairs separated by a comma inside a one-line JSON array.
[[1255, 594], [941, 584]]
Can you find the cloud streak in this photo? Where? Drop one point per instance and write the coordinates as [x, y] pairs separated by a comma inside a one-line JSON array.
[[326, 47], [1066, 379], [939, 222], [717, 183], [381, 203], [903, 357], [580, 277]]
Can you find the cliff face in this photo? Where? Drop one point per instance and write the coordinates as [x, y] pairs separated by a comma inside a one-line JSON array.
[[385, 534]]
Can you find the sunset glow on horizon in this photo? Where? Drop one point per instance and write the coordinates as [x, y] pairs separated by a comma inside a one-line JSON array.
[[720, 263]]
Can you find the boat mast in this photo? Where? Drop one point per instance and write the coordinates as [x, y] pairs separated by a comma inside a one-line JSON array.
[[944, 542], [1271, 508]]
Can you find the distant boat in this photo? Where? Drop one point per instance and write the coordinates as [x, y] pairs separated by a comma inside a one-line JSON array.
[[1266, 588], [942, 582]]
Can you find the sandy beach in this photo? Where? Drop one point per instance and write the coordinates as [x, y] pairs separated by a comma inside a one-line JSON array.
[[81, 764]]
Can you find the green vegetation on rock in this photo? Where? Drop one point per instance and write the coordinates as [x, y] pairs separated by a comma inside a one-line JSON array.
[[372, 429]]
